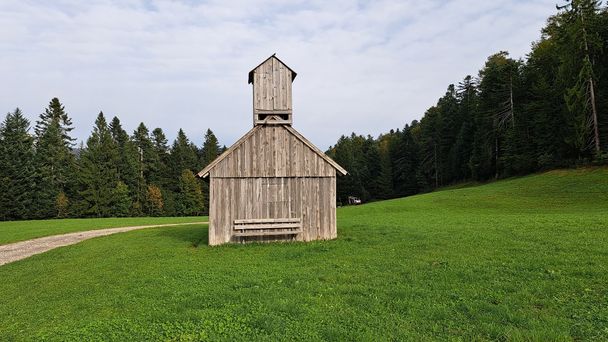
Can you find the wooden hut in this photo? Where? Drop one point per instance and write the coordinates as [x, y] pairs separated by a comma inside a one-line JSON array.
[[272, 184]]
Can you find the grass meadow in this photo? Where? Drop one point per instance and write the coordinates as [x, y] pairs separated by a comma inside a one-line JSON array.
[[14, 231], [519, 259]]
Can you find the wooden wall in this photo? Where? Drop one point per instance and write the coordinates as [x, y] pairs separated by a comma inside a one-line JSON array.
[[272, 173], [272, 151], [313, 199], [272, 86]]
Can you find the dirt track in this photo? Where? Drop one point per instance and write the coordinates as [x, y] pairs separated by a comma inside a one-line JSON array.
[[23, 249]]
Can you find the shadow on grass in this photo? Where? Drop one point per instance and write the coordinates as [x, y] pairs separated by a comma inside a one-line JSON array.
[[194, 235]]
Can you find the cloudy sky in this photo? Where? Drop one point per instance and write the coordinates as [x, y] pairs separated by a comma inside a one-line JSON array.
[[362, 66]]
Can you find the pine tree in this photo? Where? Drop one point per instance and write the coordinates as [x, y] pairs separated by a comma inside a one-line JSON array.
[[17, 174], [54, 160], [98, 171]]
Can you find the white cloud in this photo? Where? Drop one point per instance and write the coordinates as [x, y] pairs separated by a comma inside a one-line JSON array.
[[362, 66]]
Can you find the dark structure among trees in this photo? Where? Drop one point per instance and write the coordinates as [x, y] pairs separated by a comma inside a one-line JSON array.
[[272, 184]]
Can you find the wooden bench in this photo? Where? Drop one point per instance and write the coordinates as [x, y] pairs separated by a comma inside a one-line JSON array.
[[267, 227]]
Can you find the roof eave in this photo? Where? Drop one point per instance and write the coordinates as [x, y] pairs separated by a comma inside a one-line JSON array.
[[205, 172]]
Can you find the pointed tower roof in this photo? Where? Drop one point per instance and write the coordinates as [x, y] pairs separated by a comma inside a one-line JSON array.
[[293, 73]]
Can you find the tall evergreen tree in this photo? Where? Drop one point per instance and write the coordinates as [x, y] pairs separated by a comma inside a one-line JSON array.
[[211, 149], [430, 146], [579, 23], [161, 149], [405, 163], [463, 145], [147, 161], [98, 171], [54, 160], [17, 174], [183, 157], [162, 175], [55, 112], [127, 163]]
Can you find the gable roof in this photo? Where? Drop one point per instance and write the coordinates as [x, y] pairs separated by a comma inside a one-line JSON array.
[[293, 73], [205, 172]]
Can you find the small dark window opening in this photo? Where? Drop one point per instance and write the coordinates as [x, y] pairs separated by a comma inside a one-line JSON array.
[[263, 117]]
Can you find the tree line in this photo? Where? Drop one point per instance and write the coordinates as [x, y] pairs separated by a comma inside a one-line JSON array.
[[515, 117], [44, 175]]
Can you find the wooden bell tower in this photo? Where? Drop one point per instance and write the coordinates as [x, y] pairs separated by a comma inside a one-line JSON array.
[[272, 100]]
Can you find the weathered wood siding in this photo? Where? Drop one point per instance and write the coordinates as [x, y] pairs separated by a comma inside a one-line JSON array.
[[272, 87], [313, 199], [272, 151], [272, 184]]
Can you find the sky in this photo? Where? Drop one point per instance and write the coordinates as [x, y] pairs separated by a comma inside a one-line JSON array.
[[364, 67]]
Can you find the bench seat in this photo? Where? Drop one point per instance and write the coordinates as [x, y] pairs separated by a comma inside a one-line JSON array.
[[267, 227]]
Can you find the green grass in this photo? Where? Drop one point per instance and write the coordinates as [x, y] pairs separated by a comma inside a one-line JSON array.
[[14, 231], [522, 259]]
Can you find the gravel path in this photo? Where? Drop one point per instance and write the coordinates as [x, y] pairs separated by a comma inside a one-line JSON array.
[[23, 249]]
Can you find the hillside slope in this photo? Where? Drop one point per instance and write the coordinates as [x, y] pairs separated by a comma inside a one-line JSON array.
[[521, 259]]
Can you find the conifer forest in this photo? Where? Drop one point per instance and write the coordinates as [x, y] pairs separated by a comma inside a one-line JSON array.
[[548, 109]]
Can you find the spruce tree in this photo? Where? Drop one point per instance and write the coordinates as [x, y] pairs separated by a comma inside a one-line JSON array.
[[405, 163], [466, 94], [17, 173], [183, 157], [579, 25], [147, 162], [163, 163], [55, 112], [210, 150], [343, 152], [122, 201], [163, 172], [98, 171], [190, 197], [549, 117], [127, 163], [54, 160]]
